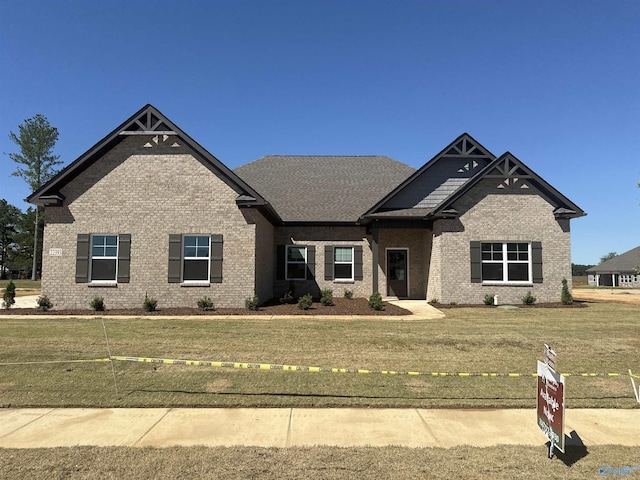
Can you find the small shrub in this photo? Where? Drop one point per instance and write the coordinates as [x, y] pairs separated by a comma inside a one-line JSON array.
[[287, 297], [326, 297], [305, 302], [434, 300], [375, 301], [566, 297], [205, 304], [251, 304], [489, 299], [97, 304], [149, 304], [9, 295], [44, 304], [529, 299], [348, 294], [453, 304]]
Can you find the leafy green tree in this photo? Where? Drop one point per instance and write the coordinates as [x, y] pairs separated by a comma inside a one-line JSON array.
[[9, 217], [608, 256], [36, 164], [578, 270]]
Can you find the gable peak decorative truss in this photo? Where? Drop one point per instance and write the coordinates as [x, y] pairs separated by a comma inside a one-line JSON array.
[[148, 123], [510, 172], [466, 147]]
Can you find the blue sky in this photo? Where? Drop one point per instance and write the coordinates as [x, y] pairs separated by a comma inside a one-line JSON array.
[[556, 83]]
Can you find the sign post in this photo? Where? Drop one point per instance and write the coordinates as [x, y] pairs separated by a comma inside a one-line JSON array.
[[550, 401]]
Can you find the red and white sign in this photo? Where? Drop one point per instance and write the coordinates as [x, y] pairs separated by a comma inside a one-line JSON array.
[[550, 404]]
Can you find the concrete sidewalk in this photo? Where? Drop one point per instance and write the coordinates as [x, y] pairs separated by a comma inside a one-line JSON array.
[[298, 427]]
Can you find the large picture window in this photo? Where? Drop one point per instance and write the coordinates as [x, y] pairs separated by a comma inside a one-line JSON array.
[[296, 268], [506, 262], [196, 258], [104, 258]]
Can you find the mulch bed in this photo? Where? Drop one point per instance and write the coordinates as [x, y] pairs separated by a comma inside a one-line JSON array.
[[342, 306], [575, 304]]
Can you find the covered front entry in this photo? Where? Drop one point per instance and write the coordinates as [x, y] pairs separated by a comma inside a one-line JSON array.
[[397, 273]]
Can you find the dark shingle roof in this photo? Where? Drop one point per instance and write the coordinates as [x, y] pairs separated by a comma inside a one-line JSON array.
[[323, 188], [625, 262]]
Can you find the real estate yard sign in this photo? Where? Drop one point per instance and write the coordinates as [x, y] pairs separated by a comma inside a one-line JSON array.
[[551, 405]]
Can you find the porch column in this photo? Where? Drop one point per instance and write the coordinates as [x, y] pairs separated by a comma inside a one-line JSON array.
[[374, 255]]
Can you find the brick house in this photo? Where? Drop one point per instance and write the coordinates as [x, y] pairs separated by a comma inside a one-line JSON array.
[[147, 210]]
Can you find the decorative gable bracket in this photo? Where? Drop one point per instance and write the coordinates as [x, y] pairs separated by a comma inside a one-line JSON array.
[[147, 123]]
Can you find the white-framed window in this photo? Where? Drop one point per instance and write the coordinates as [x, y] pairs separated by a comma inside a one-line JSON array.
[[506, 262], [104, 258], [296, 266], [343, 263], [196, 256]]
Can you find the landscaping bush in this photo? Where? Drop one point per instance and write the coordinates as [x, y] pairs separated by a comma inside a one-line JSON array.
[[149, 303], [489, 299], [205, 304], [348, 294], [434, 300], [252, 303], [9, 296], [529, 299], [97, 304], [326, 297], [566, 297], [305, 302], [44, 304], [287, 297], [375, 301]]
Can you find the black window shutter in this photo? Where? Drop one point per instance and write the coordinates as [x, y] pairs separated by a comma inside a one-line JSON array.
[[536, 261], [124, 257], [175, 258], [280, 261], [82, 258], [311, 262], [476, 262], [216, 259], [328, 262], [357, 262]]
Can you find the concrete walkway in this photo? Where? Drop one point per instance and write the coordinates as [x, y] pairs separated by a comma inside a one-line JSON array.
[[28, 301], [298, 427]]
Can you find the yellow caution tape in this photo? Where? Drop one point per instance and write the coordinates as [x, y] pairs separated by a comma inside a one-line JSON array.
[[299, 368], [95, 360]]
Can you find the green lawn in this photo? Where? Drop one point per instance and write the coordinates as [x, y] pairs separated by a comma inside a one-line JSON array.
[[499, 463], [601, 338], [21, 284]]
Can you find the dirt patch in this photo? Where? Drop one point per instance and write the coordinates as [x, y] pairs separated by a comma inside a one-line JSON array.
[[342, 306], [616, 295]]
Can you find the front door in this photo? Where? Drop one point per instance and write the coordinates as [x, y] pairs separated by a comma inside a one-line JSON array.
[[397, 274]]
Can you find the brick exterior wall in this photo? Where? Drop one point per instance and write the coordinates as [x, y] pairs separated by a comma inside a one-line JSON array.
[[491, 214], [264, 258], [418, 244], [151, 193], [320, 237]]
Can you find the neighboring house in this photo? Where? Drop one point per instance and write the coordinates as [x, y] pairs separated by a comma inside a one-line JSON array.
[[147, 210], [620, 271]]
